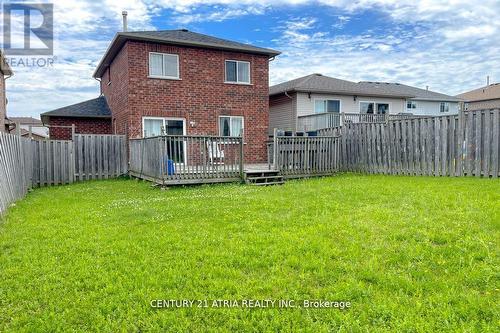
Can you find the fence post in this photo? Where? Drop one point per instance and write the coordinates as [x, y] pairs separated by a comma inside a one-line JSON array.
[[275, 149]]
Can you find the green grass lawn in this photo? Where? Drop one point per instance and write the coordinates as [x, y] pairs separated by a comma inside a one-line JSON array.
[[411, 254]]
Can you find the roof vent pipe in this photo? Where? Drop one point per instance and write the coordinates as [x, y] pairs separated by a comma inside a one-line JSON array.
[[488, 80], [124, 14], [426, 87]]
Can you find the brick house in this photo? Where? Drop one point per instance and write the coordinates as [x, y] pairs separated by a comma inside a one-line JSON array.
[[5, 73], [178, 82]]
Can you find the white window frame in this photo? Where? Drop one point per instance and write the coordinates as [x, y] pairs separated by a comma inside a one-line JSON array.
[[414, 105], [326, 99], [237, 78], [184, 129], [230, 118], [446, 107], [164, 119], [375, 110], [166, 77]]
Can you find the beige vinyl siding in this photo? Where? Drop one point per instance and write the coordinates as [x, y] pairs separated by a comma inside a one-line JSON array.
[[305, 105], [432, 108], [482, 105], [282, 113]]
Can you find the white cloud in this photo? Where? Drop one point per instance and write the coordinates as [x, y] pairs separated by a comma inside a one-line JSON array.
[[451, 47]]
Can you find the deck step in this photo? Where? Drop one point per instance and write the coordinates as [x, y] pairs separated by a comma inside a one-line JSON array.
[[260, 180], [265, 177], [268, 183]]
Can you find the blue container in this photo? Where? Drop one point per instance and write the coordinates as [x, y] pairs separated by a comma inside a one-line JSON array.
[[169, 166]]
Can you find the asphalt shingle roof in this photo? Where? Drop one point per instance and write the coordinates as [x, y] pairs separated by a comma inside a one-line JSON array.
[[403, 89], [93, 108], [485, 93], [325, 84], [177, 37]]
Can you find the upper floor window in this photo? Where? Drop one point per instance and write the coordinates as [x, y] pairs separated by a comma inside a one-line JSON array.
[[237, 71], [230, 125], [444, 107], [411, 105], [326, 105], [163, 65]]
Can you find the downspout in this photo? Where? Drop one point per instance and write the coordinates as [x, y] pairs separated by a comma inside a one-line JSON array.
[[100, 85]]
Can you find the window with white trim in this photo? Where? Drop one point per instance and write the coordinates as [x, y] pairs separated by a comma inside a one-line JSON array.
[[366, 107], [237, 71], [163, 65], [411, 105], [231, 126], [326, 105], [373, 108], [444, 107], [155, 126]]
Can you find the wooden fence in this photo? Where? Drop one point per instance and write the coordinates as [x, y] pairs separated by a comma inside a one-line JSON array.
[[457, 145], [187, 159], [99, 156], [25, 163], [15, 176], [306, 156], [52, 162]]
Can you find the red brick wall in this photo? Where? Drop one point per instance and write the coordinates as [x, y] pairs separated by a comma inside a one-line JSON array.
[[82, 125], [114, 85], [200, 96]]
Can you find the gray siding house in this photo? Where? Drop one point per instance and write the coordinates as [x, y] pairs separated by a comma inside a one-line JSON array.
[[316, 101]]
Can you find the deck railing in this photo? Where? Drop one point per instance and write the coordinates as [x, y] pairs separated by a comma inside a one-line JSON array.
[[306, 156], [319, 121], [184, 159]]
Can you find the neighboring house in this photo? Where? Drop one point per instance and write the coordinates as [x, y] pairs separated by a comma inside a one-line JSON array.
[[483, 98], [308, 103], [29, 125], [181, 82], [5, 73], [89, 117]]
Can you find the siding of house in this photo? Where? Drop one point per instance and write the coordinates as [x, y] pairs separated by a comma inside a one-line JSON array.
[[482, 105], [82, 125], [431, 108], [282, 113], [200, 96], [3, 104], [305, 105]]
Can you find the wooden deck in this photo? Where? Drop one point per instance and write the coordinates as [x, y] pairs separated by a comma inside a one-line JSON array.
[[222, 173]]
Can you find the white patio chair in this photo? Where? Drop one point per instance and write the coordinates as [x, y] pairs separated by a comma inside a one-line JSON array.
[[215, 154]]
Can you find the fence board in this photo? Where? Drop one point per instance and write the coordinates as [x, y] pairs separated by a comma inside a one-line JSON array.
[[456, 145]]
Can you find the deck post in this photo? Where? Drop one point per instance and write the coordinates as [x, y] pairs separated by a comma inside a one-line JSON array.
[[242, 155], [275, 149]]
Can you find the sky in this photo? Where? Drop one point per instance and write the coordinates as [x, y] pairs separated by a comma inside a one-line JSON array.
[[448, 45]]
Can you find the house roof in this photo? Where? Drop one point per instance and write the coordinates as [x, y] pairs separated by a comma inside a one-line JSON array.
[[403, 89], [26, 120], [93, 108], [176, 37], [324, 84], [482, 94]]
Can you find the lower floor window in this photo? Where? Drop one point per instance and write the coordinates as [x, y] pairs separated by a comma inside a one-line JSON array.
[[373, 108], [230, 126], [444, 107], [153, 126]]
